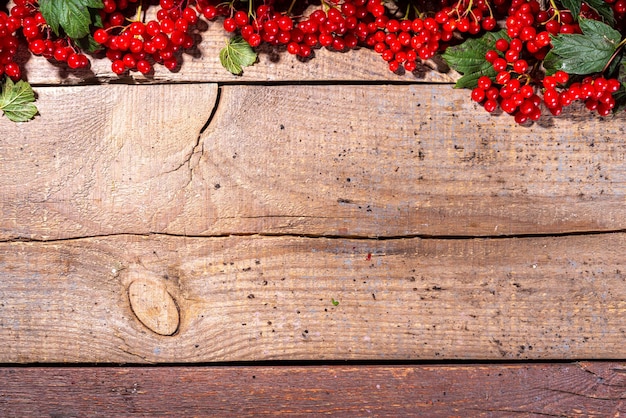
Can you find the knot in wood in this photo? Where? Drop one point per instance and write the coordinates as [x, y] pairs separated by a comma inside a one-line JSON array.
[[155, 308]]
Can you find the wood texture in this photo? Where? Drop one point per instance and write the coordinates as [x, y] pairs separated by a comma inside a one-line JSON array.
[[574, 390], [274, 64], [347, 161], [287, 298]]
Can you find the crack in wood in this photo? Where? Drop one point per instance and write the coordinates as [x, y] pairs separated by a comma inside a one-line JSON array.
[[583, 395], [198, 144], [517, 411], [125, 348], [19, 239]]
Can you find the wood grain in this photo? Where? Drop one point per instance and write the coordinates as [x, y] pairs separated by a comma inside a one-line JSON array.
[[274, 64], [338, 160], [287, 298], [586, 389], [101, 159]]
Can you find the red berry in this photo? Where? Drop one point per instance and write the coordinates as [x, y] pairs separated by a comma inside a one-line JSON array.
[[478, 95], [101, 36], [502, 45], [229, 24], [484, 82], [490, 105]]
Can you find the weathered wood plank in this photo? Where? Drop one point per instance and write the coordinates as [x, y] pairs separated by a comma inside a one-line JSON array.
[[573, 390], [348, 160], [271, 298], [101, 160], [203, 65]]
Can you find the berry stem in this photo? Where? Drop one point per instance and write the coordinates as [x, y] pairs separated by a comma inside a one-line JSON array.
[[557, 12], [139, 10], [291, 6]]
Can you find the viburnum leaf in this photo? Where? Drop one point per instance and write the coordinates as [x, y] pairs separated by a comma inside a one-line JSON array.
[[73, 16], [584, 53], [600, 6], [620, 95], [17, 101], [573, 6], [620, 99], [88, 43], [604, 9], [468, 58], [614, 67], [237, 54]]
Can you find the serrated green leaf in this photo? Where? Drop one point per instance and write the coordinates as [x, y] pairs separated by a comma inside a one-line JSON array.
[[470, 80], [620, 99], [73, 16], [552, 63], [17, 101], [584, 53], [620, 95], [600, 6], [614, 68], [573, 6], [604, 9], [468, 58], [89, 44], [237, 54]]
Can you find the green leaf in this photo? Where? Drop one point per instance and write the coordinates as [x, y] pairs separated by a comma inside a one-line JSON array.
[[573, 6], [17, 101], [584, 53], [73, 16], [604, 9], [237, 54], [334, 302], [468, 58], [600, 6], [620, 99], [89, 44], [614, 68], [620, 95]]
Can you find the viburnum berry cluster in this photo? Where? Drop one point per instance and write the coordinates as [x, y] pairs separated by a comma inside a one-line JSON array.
[[8, 46], [133, 44], [523, 82], [526, 58]]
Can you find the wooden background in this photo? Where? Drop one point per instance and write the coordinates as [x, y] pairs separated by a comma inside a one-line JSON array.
[[320, 237]]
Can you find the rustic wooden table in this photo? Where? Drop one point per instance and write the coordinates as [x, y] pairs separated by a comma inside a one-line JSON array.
[[321, 237]]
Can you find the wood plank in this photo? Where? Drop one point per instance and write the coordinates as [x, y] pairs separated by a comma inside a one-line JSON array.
[[582, 389], [287, 298], [97, 156], [274, 64], [349, 160]]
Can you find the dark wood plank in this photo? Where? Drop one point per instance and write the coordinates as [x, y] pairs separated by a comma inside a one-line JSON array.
[[533, 390], [163, 299]]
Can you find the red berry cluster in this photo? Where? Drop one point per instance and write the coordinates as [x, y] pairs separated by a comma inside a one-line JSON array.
[[520, 86], [8, 46], [467, 16], [133, 45], [596, 92], [344, 25], [41, 39], [404, 32], [336, 26], [403, 43]]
